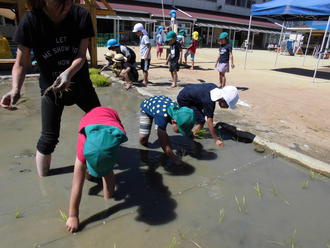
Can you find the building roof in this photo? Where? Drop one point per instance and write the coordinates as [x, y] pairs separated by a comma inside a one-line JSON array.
[[200, 16]]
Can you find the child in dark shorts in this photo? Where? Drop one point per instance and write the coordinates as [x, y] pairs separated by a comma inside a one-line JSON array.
[[174, 56]]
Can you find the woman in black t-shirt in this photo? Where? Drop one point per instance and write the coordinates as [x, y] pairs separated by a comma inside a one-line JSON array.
[[58, 32]]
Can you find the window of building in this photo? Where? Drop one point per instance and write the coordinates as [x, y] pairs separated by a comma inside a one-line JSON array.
[[241, 3]]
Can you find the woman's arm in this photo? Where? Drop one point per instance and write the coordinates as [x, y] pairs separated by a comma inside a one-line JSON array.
[[23, 60], [79, 174], [64, 79]]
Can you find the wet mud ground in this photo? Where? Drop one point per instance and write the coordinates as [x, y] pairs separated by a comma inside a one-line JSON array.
[[228, 197]]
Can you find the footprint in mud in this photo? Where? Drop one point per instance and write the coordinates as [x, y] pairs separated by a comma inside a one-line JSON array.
[[215, 192]]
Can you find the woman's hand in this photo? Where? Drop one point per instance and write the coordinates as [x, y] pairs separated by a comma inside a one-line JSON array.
[[10, 99], [63, 81], [72, 224]]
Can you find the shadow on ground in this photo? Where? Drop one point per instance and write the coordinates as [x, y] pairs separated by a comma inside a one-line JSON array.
[[304, 72], [139, 184]]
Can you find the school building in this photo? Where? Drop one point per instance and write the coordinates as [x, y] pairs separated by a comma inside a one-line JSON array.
[[208, 17]]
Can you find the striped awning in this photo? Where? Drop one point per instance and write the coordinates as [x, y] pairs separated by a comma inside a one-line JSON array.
[[236, 28], [126, 18]]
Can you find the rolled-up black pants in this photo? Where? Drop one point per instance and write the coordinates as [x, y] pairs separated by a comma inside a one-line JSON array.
[[51, 112]]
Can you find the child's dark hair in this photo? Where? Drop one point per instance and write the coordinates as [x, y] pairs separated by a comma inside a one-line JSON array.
[[40, 4]]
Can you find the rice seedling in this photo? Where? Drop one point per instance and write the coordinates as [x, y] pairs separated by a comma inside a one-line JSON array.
[[241, 207], [201, 134], [258, 190], [99, 80], [174, 243], [18, 214], [221, 215], [312, 174], [195, 243], [23, 100], [293, 240], [244, 204], [238, 204], [328, 245], [114, 245], [63, 216], [291, 243], [274, 190], [305, 185], [94, 71]]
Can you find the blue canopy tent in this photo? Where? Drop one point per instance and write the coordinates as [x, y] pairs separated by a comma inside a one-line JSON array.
[[293, 10]]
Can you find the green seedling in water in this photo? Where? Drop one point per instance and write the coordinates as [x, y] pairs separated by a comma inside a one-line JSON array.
[[305, 185], [174, 243], [312, 174], [221, 215], [18, 214], [258, 190], [23, 100], [241, 207], [291, 243], [63, 216], [238, 204], [274, 190], [201, 133]]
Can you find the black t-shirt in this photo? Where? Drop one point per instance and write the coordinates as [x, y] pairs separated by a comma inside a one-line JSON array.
[[175, 50], [56, 45], [224, 51], [198, 95], [128, 52], [133, 68]]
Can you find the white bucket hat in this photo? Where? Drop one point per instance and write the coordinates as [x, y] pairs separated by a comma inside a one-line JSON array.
[[228, 93], [138, 27]]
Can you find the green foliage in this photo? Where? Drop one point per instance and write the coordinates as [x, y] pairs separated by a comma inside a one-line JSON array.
[[201, 134], [99, 80], [221, 214], [18, 214], [94, 71]]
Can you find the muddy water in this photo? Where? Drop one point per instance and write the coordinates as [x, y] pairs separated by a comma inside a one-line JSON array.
[[154, 206]]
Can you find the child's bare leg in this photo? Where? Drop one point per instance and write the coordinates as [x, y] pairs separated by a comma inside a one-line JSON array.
[[145, 75], [174, 78], [109, 183], [224, 79], [222, 83], [128, 81], [43, 163], [193, 64]]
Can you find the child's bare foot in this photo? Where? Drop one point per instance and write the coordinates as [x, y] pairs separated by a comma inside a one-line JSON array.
[[173, 85], [128, 86]]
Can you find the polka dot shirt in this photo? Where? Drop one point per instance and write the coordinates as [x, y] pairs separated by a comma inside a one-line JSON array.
[[156, 107]]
